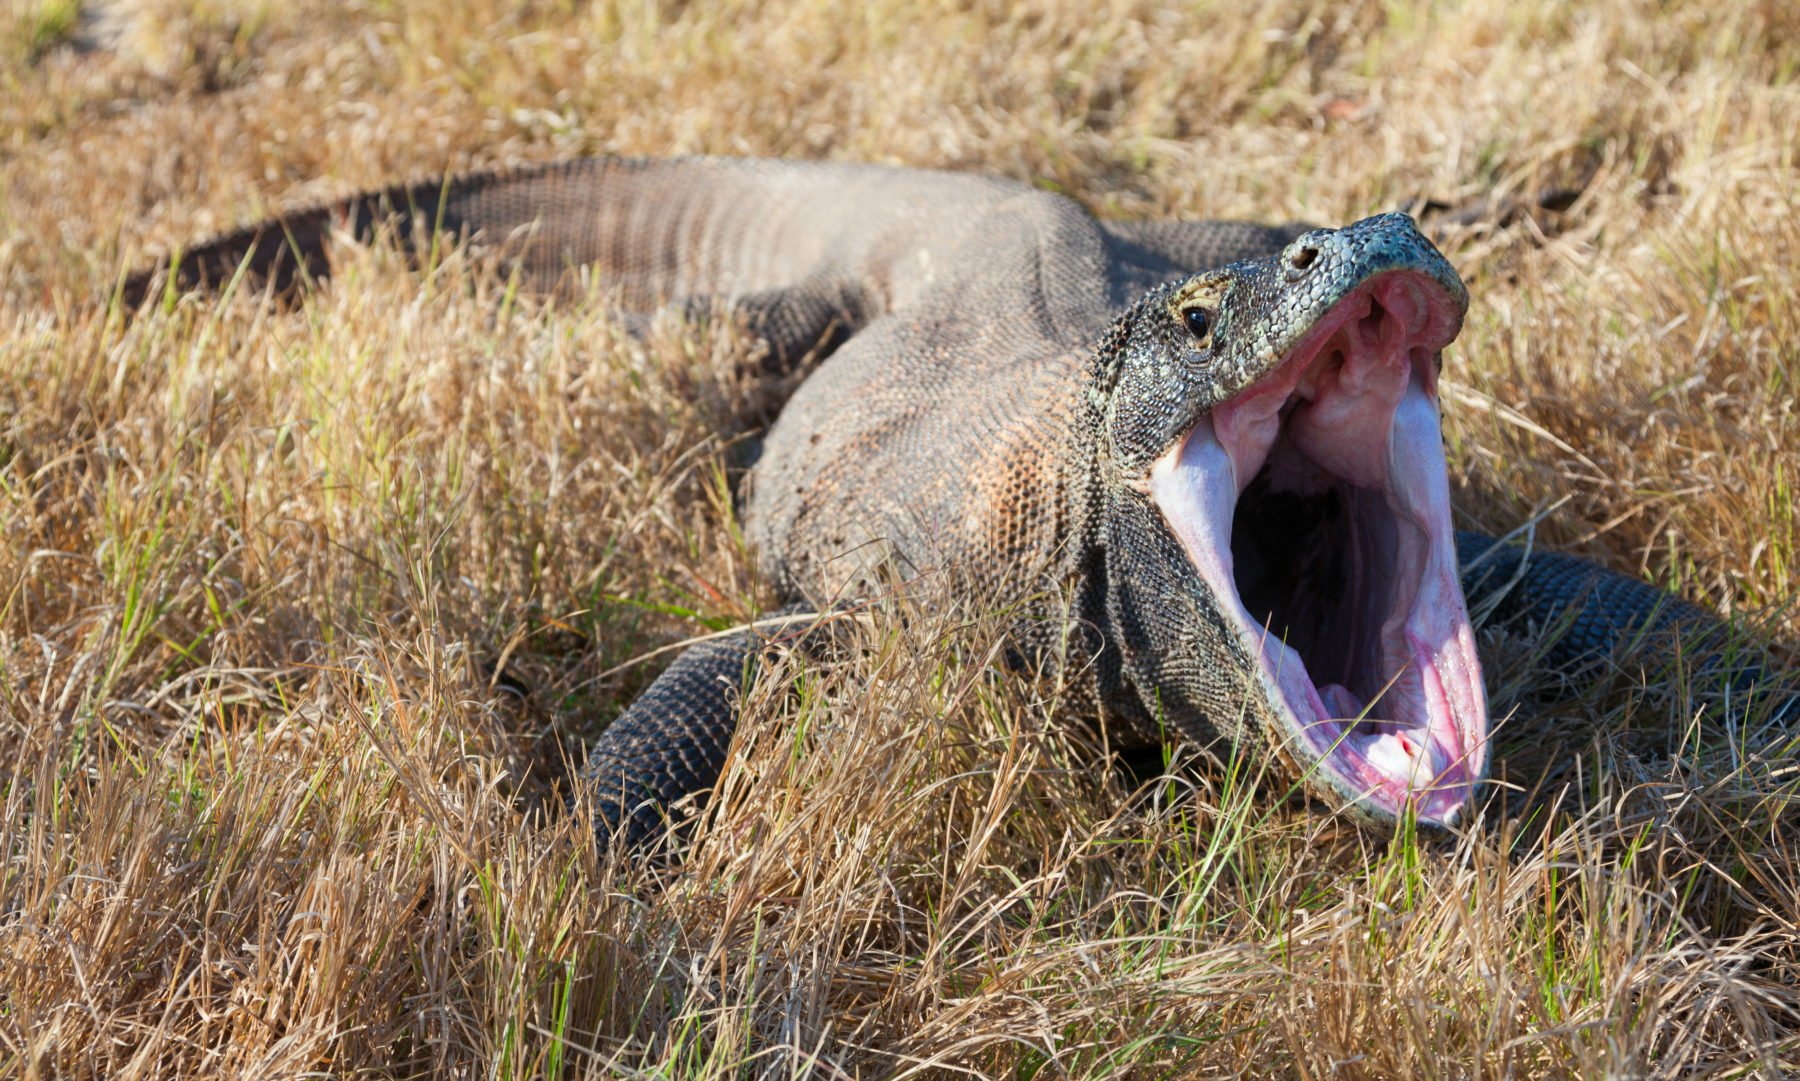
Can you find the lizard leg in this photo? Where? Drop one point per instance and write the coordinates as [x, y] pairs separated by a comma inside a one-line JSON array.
[[1605, 611], [808, 321], [673, 740]]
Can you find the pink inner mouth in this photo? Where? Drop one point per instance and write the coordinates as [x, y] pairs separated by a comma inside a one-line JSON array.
[[1316, 505]]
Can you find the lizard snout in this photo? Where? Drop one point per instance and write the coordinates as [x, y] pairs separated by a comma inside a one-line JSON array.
[[1300, 257]]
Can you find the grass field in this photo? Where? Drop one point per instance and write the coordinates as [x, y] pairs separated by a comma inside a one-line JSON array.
[[308, 614]]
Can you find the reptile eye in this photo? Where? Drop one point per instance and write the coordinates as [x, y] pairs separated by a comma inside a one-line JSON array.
[[1199, 324]]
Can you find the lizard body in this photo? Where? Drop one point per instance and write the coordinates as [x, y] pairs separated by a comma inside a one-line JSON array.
[[1219, 440]]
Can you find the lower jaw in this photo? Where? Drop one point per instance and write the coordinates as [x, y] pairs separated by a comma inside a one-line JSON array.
[[1388, 770], [1412, 669], [1441, 801], [1371, 717]]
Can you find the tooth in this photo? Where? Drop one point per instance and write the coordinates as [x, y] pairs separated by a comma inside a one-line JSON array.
[[1373, 326], [1325, 365]]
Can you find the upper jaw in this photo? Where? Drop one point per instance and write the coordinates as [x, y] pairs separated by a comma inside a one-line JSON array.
[[1347, 417], [1287, 308]]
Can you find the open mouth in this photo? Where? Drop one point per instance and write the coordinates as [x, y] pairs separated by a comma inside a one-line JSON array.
[[1315, 504]]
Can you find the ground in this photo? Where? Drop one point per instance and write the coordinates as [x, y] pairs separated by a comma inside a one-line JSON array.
[[308, 614]]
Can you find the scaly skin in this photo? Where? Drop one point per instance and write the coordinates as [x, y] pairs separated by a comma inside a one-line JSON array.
[[987, 408]]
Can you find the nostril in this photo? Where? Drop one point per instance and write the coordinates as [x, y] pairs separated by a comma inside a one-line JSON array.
[[1303, 257]]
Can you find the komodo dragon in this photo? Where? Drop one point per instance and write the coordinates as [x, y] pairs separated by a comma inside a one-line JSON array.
[[1219, 440]]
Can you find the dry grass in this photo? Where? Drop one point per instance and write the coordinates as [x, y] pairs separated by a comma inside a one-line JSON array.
[[269, 811]]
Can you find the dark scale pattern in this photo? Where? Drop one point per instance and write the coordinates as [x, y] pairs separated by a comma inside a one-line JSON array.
[[1538, 590], [674, 738], [1613, 607], [1006, 369]]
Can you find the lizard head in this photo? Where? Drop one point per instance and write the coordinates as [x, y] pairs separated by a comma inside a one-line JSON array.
[[1280, 563]]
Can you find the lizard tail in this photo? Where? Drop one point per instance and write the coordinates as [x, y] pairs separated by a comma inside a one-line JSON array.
[[655, 231], [282, 251], [507, 207]]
